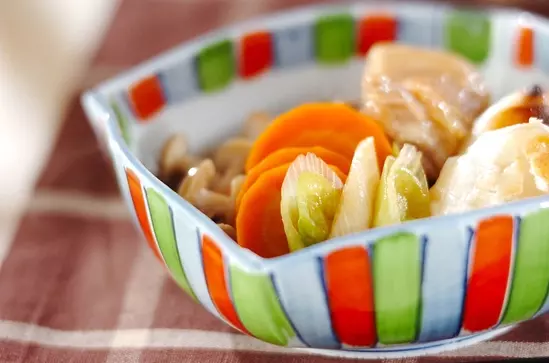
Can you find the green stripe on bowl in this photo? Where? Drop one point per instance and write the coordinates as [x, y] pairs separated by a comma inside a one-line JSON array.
[[469, 33], [531, 272], [397, 287], [162, 223], [258, 307], [334, 38], [216, 66], [122, 122]]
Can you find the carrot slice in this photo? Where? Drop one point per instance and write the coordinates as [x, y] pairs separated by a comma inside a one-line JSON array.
[[259, 225], [288, 155], [336, 127]]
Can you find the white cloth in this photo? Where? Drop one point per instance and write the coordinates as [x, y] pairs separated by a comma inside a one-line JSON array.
[[45, 47]]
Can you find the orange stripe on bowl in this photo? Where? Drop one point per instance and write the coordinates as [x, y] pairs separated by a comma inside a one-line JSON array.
[[375, 28], [350, 296], [489, 273], [136, 192], [256, 53], [525, 47], [214, 271], [146, 97]]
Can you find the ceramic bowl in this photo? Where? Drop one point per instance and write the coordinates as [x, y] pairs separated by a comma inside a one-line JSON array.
[[421, 286]]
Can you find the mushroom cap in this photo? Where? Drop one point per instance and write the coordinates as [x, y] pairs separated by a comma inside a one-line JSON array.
[[215, 205], [198, 178], [236, 185], [172, 153], [232, 153]]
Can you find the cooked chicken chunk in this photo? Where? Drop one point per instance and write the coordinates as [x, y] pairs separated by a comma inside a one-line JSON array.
[[423, 97], [501, 166]]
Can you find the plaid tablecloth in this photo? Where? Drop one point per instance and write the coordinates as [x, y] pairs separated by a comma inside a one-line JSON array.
[[80, 285]]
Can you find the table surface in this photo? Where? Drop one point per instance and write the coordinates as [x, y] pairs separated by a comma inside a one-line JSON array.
[[77, 281]]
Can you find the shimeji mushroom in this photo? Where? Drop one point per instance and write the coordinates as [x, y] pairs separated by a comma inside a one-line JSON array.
[[198, 178], [236, 185], [175, 161], [230, 160], [195, 188]]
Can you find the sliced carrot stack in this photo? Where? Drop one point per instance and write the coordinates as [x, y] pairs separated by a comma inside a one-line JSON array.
[[333, 126], [259, 226], [288, 155]]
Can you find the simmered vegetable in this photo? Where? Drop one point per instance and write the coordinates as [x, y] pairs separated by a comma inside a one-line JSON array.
[[310, 195], [355, 209], [403, 193], [334, 126], [258, 222], [287, 155]]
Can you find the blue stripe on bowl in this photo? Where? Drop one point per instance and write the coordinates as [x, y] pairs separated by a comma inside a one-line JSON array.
[[190, 254], [416, 30], [293, 45], [122, 181], [179, 81], [437, 28], [541, 49], [302, 295], [444, 279]]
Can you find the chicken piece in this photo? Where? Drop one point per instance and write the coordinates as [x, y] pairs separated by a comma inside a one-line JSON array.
[[429, 101], [406, 121], [503, 165], [515, 108]]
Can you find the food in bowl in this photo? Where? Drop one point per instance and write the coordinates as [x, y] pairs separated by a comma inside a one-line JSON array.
[[425, 97], [511, 109], [328, 169], [501, 166]]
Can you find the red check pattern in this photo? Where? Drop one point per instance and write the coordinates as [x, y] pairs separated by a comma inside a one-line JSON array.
[[79, 284]]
